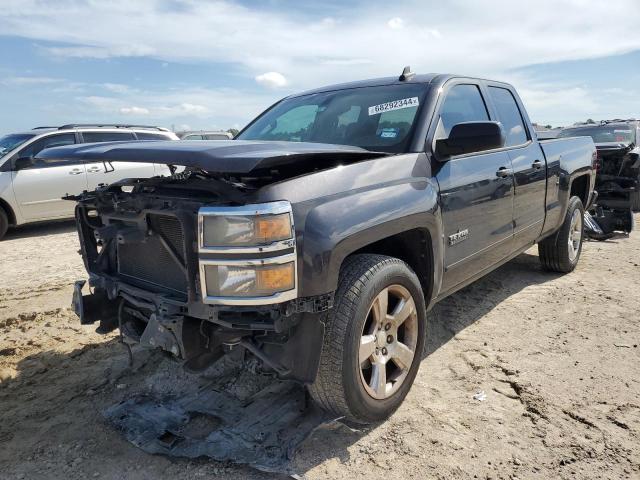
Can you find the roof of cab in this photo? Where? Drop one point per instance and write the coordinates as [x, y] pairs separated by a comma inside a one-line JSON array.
[[373, 82]]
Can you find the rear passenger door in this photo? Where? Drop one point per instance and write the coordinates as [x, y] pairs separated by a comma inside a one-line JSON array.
[[528, 163], [476, 191], [96, 174]]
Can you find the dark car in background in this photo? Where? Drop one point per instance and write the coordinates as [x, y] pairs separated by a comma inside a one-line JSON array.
[[618, 155]]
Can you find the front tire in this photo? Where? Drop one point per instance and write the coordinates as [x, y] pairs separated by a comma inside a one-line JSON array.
[[374, 340], [4, 223], [560, 252]]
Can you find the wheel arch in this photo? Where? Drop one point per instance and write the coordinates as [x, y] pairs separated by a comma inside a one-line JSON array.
[[9, 211], [414, 247], [386, 221], [580, 188]]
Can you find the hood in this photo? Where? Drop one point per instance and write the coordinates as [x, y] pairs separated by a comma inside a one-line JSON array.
[[232, 156]]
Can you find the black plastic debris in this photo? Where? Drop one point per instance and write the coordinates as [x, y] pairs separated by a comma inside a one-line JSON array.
[[262, 430]]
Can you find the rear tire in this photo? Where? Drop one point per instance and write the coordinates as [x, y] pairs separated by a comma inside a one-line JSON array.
[[372, 347], [4, 223], [635, 199], [560, 252]]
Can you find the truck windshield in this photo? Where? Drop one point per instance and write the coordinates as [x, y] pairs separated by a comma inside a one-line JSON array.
[[9, 142], [602, 133], [375, 118]]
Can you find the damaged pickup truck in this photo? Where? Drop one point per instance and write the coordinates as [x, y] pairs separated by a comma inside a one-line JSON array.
[[318, 239]]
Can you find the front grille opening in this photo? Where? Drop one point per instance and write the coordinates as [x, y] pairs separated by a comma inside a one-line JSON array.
[[149, 263]]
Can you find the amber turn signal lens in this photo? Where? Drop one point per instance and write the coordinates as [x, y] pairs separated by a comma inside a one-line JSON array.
[[273, 228], [276, 278]]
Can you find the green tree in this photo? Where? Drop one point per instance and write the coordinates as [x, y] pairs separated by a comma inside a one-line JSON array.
[[233, 131]]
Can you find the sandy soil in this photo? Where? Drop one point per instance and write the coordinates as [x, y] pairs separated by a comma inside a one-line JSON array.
[[557, 358]]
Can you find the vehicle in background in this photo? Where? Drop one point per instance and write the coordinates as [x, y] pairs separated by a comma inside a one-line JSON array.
[[548, 134], [317, 240], [31, 189], [618, 174], [206, 135]]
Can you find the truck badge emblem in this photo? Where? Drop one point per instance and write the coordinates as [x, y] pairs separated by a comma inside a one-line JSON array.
[[458, 237]]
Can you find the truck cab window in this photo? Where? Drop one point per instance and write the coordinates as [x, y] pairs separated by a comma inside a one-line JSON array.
[[509, 115], [463, 103], [293, 125], [379, 118]]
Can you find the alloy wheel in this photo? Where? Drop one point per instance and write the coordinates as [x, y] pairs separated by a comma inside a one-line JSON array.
[[388, 342]]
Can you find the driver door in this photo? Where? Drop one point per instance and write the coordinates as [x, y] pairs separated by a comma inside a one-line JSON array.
[[39, 187], [476, 193]]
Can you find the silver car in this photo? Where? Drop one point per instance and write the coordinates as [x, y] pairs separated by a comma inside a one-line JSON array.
[[31, 189]]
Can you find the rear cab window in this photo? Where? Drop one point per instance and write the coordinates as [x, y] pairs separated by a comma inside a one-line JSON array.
[[509, 116]]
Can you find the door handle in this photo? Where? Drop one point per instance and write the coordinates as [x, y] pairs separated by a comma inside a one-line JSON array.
[[504, 172], [94, 170], [537, 165], [75, 171]]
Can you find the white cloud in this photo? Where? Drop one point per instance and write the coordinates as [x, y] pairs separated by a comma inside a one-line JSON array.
[[271, 80], [352, 42], [434, 32], [102, 52], [134, 111], [396, 23], [26, 81], [482, 37], [192, 108], [117, 87]]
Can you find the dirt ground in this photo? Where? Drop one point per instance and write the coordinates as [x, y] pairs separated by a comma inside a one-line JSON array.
[[557, 358]]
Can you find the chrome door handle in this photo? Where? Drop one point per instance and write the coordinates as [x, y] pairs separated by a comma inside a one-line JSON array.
[[504, 172], [75, 171], [94, 170], [537, 165]]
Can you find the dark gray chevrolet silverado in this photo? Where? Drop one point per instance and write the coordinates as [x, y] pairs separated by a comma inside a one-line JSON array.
[[318, 239]]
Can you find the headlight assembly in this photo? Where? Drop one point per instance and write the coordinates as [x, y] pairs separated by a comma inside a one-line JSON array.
[[242, 231], [250, 226], [249, 280], [247, 254]]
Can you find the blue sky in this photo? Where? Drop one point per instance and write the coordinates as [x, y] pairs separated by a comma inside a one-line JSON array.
[[216, 64]]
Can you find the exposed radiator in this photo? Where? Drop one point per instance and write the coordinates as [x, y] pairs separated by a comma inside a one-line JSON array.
[[150, 262]]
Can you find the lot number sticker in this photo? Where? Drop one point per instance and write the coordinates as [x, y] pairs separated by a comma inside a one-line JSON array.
[[395, 105]]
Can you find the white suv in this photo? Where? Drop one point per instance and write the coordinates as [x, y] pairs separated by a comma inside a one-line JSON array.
[[31, 189]]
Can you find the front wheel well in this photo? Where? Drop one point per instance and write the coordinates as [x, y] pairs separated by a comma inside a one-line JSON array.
[[9, 211], [414, 247]]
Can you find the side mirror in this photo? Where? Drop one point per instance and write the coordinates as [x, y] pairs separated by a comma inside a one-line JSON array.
[[470, 137], [23, 162]]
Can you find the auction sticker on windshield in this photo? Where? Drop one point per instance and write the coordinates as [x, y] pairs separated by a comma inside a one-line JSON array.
[[395, 105]]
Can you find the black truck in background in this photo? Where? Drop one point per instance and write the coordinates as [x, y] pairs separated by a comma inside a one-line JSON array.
[[318, 239]]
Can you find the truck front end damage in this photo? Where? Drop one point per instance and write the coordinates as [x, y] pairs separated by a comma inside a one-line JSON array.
[[190, 266]]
